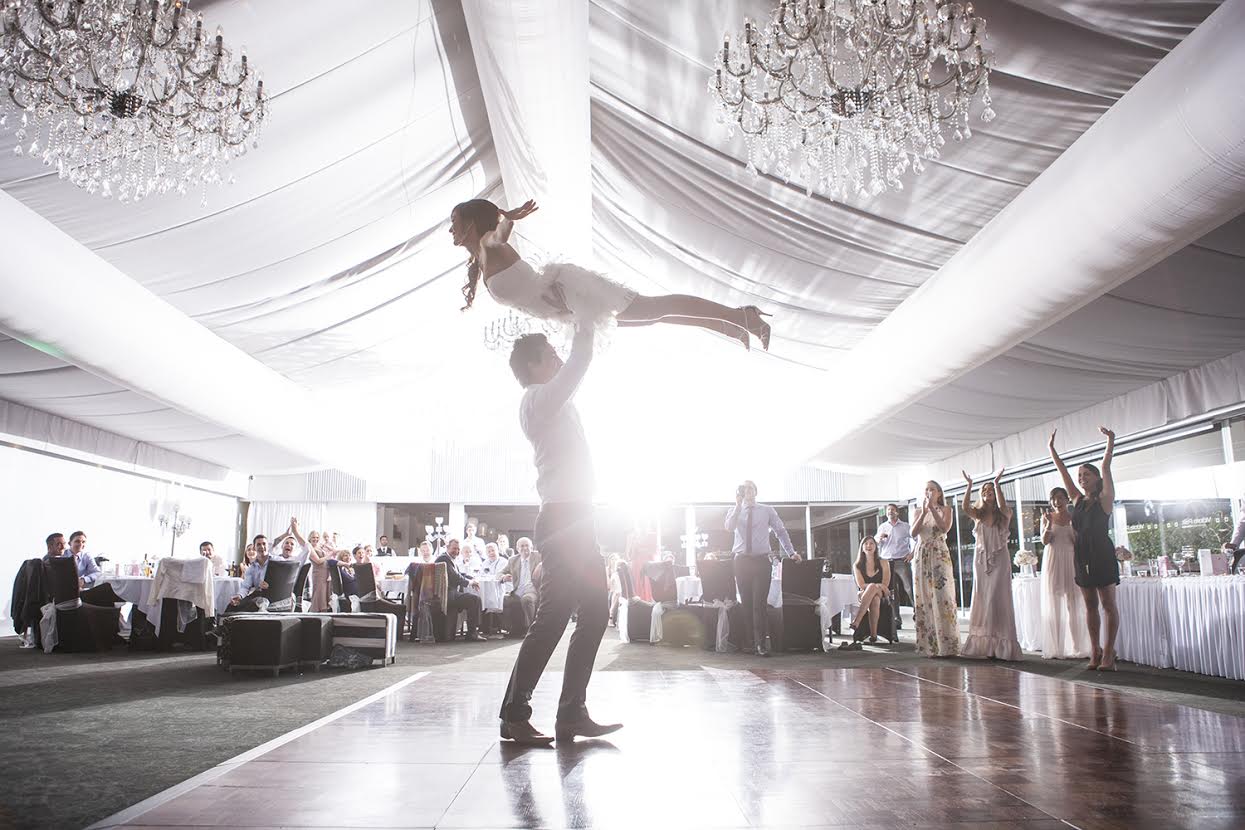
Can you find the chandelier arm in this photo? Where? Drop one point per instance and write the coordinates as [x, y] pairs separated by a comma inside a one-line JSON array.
[[882, 19], [21, 33], [45, 10]]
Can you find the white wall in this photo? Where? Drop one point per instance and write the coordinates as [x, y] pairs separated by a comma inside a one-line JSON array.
[[41, 495]]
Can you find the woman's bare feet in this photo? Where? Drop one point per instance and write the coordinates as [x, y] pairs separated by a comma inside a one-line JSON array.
[[1108, 662], [1094, 660], [754, 322]]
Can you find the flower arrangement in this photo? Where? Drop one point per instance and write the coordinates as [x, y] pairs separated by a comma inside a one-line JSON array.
[[1025, 558], [1123, 554]]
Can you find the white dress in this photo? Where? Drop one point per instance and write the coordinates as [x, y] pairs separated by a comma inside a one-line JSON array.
[[1065, 634], [992, 622], [591, 297]]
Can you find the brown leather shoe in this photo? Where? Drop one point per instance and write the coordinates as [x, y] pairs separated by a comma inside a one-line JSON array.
[[584, 727], [523, 733]]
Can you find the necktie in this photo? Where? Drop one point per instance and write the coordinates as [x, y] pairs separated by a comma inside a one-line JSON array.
[[748, 537]]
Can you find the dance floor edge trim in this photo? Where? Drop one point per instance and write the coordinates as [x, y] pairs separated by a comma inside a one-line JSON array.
[[164, 796]]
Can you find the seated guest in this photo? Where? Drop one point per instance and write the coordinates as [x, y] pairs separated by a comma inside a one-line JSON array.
[[253, 580], [459, 599], [493, 563], [383, 549], [873, 576], [469, 562], [424, 552], [371, 552], [350, 585], [361, 558], [88, 571], [208, 552], [520, 571], [285, 547], [503, 546], [248, 556]]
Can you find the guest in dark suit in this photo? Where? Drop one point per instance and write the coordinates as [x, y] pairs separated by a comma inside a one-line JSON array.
[[459, 599]]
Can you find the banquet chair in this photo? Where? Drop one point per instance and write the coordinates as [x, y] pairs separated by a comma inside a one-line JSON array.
[[639, 611], [86, 627], [337, 587], [280, 577], [661, 577], [717, 580], [300, 587], [717, 585], [800, 616], [370, 602]]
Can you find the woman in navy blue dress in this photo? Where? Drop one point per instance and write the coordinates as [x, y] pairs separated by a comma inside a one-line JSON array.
[[1097, 570]]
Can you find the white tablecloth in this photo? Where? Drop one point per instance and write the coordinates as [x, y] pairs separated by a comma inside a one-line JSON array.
[[1027, 602], [838, 592], [491, 593], [136, 589], [1192, 623]]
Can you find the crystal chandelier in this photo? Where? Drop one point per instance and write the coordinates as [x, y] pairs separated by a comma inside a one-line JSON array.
[[125, 97], [502, 332], [845, 95]]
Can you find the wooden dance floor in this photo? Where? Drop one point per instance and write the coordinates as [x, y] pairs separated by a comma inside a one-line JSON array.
[[938, 746]]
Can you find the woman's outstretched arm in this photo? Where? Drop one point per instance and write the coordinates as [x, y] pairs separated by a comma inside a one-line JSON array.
[[1068, 483], [999, 499], [1108, 481], [505, 225]]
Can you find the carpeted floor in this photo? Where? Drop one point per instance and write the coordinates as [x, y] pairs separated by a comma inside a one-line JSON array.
[[88, 735]]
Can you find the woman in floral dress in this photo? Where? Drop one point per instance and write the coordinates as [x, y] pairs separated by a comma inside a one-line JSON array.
[[937, 629]]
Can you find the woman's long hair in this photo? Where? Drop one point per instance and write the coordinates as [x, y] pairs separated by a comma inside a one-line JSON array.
[[988, 513], [862, 558], [942, 500], [483, 215]]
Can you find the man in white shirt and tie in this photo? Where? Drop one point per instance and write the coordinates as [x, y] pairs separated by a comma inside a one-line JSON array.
[[895, 546], [752, 524], [572, 576], [383, 549]]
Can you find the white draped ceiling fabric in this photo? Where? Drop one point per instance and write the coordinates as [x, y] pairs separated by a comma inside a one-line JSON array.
[[924, 315]]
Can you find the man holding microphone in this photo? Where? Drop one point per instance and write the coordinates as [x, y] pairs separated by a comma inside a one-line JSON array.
[[752, 523]]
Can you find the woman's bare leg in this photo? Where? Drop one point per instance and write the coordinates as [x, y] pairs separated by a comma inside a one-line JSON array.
[[866, 598], [1094, 624], [875, 608], [1106, 596], [731, 330], [661, 308]]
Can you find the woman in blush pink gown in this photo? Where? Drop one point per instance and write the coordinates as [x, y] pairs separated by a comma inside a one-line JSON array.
[[992, 621]]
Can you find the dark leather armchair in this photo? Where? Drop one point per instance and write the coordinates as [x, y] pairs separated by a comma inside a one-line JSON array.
[[86, 627], [370, 601], [280, 576], [300, 585], [800, 618]]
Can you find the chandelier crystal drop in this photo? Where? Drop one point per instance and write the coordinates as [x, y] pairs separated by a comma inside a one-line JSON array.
[[845, 95], [125, 98]]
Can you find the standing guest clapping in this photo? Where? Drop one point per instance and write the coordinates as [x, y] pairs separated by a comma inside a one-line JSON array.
[[937, 629]]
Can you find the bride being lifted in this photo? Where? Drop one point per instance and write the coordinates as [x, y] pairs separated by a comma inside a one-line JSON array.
[[561, 291]]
